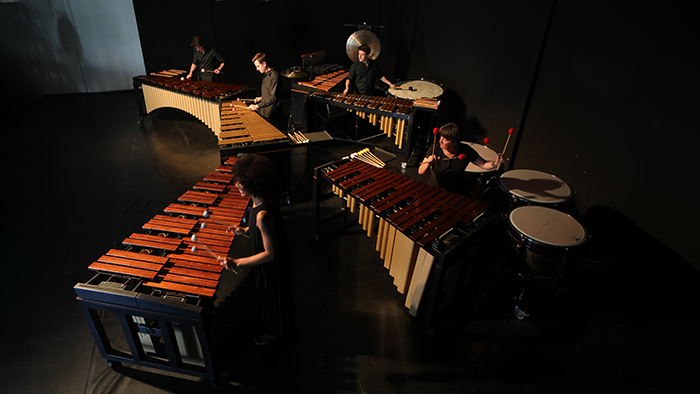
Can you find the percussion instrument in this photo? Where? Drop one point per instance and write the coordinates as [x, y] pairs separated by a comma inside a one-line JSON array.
[[159, 285], [546, 244], [416, 89], [391, 113], [327, 81], [486, 153], [359, 38], [233, 124], [241, 127], [419, 228], [532, 187], [198, 98], [294, 73]]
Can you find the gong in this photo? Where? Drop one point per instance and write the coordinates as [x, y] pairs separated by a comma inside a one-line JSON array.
[[363, 37]]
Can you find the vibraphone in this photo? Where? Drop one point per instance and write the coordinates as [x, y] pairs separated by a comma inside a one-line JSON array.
[[421, 230], [160, 287], [198, 98]]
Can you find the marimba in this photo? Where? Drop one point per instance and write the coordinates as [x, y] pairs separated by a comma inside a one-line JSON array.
[[198, 98], [162, 281], [420, 229]]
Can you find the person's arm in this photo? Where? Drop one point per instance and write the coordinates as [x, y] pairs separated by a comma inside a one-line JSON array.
[[264, 223], [386, 81], [192, 68], [221, 61], [271, 88], [347, 86], [426, 164], [488, 165]]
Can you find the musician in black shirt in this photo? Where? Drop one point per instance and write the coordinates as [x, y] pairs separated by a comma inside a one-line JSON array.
[[448, 160], [269, 103], [206, 61], [364, 73]]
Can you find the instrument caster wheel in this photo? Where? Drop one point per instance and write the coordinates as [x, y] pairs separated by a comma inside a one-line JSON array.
[[140, 121], [116, 366], [429, 332]]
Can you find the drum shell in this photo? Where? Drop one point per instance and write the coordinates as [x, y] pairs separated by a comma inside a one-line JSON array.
[[544, 242], [531, 257]]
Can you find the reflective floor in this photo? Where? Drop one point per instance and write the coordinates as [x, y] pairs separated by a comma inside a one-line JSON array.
[[81, 174]]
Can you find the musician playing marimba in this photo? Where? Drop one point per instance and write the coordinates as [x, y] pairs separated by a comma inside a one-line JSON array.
[[364, 73], [268, 104], [449, 158], [206, 61], [256, 177]]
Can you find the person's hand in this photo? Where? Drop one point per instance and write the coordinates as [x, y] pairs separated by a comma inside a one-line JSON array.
[[235, 230], [189, 76], [257, 99], [217, 71], [227, 262], [429, 159], [253, 107], [345, 92], [499, 160]]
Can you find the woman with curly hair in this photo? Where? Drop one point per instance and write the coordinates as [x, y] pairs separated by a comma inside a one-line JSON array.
[[256, 177]]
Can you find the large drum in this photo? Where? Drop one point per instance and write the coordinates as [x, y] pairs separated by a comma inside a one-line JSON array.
[[532, 187], [416, 89], [546, 244], [486, 153]]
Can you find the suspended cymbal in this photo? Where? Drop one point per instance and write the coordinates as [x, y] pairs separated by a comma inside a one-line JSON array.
[[294, 73], [363, 37]]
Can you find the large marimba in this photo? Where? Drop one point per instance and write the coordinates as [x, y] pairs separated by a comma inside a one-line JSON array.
[[200, 99], [420, 230], [162, 281]]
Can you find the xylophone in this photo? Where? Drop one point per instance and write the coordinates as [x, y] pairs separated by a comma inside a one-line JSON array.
[[241, 127], [162, 281], [420, 229], [326, 82], [198, 98]]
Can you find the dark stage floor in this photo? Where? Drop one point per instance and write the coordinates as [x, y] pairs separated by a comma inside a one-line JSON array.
[[81, 175]]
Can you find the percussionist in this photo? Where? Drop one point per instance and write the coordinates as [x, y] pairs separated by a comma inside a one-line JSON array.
[[364, 73], [449, 158]]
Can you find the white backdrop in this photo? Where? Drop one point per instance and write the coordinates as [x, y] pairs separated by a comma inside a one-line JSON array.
[[70, 46]]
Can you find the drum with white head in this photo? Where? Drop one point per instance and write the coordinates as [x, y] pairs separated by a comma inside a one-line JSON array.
[[546, 244], [532, 187], [416, 89]]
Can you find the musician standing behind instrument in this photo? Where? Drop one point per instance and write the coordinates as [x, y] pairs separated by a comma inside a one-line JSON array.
[[205, 61], [256, 177], [447, 163], [364, 73], [269, 102]]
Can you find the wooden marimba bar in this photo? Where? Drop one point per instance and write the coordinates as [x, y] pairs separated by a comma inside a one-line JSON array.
[[159, 285], [391, 113], [242, 127], [199, 98], [326, 82], [414, 222]]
